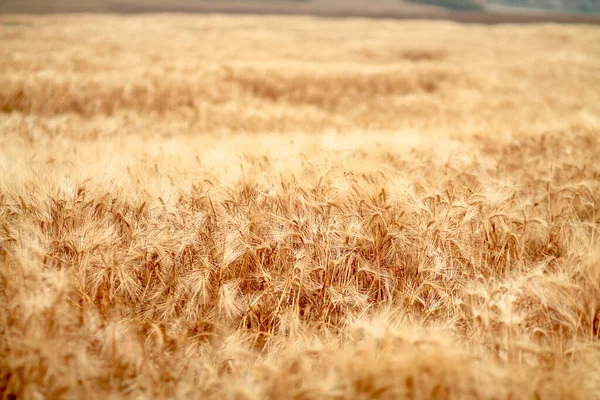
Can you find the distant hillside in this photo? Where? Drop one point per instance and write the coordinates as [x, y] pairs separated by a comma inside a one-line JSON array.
[[584, 6], [467, 11], [455, 4]]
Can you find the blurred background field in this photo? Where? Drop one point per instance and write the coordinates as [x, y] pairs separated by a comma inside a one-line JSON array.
[[276, 74]]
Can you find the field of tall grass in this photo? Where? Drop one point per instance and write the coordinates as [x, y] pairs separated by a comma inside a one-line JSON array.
[[222, 207]]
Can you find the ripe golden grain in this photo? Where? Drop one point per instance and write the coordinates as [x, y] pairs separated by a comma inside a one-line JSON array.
[[245, 207]]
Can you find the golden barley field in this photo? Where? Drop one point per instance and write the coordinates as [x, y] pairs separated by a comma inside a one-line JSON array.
[[228, 207]]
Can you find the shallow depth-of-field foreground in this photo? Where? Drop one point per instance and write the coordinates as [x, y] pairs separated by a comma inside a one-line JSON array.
[[269, 208]]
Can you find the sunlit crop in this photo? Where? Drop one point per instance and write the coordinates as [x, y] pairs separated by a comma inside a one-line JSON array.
[[269, 207]]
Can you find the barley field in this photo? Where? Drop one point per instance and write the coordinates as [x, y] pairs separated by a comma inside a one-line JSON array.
[[244, 207]]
